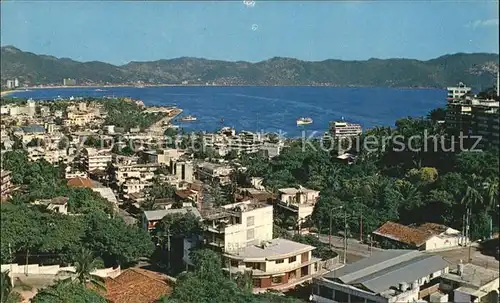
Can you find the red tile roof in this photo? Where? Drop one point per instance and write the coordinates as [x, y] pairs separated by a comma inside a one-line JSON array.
[[80, 182], [136, 285], [402, 233]]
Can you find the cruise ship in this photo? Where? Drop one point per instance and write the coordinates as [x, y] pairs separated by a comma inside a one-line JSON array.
[[188, 118], [304, 121]]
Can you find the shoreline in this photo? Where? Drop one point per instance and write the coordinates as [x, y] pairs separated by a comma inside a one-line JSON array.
[[204, 85]]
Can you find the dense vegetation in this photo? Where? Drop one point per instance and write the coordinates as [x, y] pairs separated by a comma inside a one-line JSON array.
[[389, 184], [51, 238], [477, 69], [128, 114]]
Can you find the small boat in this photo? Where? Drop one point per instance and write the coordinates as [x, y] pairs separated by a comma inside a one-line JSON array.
[[188, 118], [100, 90], [304, 121]]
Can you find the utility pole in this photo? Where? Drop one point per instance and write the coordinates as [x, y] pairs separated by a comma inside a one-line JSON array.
[[168, 246], [361, 227], [330, 232], [468, 233], [345, 236]]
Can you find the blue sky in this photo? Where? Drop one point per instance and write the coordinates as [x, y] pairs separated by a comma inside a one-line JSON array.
[[119, 32]]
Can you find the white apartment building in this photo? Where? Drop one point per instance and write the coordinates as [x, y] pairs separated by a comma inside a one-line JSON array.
[[79, 118], [134, 185], [342, 129], [142, 172], [95, 159], [183, 170], [164, 156], [235, 226], [276, 264], [456, 92], [51, 156], [298, 202]]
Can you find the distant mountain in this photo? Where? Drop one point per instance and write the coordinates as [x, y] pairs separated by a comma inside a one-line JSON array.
[[478, 70]]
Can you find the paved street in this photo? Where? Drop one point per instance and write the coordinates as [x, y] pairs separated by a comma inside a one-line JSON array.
[[479, 259], [353, 246], [357, 251]]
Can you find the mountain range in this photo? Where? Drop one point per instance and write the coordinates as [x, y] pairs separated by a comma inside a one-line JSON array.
[[477, 69]]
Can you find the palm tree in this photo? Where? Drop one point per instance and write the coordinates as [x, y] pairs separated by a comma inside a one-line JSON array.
[[7, 295], [471, 197], [491, 190], [85, 263]]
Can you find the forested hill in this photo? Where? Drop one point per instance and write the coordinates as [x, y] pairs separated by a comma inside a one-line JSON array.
[[478, 70]]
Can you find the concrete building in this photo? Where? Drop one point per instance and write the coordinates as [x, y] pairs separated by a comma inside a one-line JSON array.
[[485, 123], [141, 172], [298, 202], [211, 172], [77, 118], [456, 92], [164, 156], [6, 184], [461, 115], [182, 170], [342, 129], [151, 217], [278, 264], [388, 276], [235, 226], [470, 283], [428, 236], [10, 84], [69, 82], [95, 159]]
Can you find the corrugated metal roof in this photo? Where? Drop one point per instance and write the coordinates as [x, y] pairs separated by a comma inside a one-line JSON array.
[[387, 269]]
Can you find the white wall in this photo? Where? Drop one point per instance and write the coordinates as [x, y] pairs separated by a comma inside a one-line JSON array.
[[235, 236], [461, 297], [36, 269]]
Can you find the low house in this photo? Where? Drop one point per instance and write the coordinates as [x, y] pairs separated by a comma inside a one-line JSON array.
[[470, 283], [387, 277], [151, 217], [80, 182], [428, 236], [253, 194], [276, 264], [57, 204], [298, 202]]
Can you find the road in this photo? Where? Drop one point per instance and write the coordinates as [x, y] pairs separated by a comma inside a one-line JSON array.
[[354, 247], [455, 255], [357, 251]]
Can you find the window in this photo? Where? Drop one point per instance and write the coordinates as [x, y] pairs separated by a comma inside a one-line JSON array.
[[277, 280], [250, 234], [280, 261], [292, 259], [341, 296], [234, 263], [250, 221]]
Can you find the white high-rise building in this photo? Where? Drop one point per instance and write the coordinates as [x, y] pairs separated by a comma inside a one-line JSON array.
[[16, 82], [455, 92]]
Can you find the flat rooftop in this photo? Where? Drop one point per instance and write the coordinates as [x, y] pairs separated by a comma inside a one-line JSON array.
[[275, 249], [293, 190], [472, 276]]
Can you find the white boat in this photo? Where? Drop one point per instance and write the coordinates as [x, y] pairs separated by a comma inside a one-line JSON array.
[[100, 90], [304, 121], [188, 118]]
